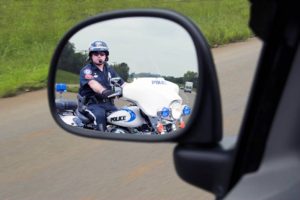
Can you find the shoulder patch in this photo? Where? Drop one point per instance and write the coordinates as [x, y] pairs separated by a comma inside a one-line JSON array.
[[87, 71]]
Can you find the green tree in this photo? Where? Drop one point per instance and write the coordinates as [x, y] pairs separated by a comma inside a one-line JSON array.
[[177, 80], [191, 77], [123, 70], [70, 60]]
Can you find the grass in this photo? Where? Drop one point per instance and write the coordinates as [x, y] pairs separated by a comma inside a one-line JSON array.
[[72, 80], [67, 77], [30, 30]]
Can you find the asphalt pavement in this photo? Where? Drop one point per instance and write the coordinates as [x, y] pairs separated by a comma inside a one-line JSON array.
[[40, 161]]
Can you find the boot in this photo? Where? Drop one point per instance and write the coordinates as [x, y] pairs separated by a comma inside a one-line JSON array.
[[101, 127]]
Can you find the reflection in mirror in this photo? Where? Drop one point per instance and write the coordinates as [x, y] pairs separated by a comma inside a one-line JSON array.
[[134, 75]]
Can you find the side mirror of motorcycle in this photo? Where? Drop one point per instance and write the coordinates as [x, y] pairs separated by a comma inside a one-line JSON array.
[[159, 64]]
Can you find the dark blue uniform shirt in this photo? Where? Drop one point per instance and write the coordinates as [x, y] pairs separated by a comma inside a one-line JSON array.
[[92, 72]]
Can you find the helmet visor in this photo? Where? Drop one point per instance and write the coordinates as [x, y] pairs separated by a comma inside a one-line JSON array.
[[97, 53]]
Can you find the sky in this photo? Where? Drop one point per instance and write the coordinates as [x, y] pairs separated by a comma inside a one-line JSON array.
[[146, 44]]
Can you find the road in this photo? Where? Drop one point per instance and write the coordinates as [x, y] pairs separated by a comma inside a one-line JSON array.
[[40, 161]]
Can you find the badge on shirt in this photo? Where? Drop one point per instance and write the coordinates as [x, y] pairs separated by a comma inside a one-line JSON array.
[[95, 75]]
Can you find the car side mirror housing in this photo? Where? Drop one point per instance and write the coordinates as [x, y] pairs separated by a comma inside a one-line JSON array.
[[157, 70]]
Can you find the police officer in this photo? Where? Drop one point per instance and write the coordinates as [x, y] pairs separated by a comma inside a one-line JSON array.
[[95, 83]]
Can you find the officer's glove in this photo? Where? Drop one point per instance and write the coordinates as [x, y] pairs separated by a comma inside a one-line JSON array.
[[106, 93]]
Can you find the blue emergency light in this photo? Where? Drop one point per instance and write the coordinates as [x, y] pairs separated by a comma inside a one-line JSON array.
[[186, 110], [61, 87], [165, 112]]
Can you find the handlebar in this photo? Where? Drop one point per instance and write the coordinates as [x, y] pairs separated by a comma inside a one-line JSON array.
[[116, 94]]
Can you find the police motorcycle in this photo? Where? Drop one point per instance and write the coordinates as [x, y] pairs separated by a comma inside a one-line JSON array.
[[153, 106]]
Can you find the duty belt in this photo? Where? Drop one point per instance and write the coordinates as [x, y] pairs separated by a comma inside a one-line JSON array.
[[96, 100]]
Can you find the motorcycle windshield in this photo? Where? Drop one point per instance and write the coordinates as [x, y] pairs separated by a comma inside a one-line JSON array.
[[151, 94]]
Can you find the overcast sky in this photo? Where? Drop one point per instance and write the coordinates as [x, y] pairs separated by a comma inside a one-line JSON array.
[[146, 44]]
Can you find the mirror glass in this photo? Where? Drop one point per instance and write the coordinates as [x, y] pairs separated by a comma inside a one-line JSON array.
[[134, 75]]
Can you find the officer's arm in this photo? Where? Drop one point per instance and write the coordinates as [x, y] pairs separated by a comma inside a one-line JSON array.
[[96, 86]]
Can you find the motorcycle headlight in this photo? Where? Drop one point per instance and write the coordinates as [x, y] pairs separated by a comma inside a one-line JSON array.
[[176, 109]]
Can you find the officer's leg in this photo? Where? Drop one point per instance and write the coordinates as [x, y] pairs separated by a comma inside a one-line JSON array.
[[109, 107], [99, 113]]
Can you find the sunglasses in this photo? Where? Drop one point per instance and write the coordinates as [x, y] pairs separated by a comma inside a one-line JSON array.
[[97, 53]]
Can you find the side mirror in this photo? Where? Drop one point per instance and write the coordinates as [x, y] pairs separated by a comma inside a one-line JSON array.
[[155, 52]]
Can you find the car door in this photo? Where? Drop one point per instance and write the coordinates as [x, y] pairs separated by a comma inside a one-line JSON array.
[[272, 160]]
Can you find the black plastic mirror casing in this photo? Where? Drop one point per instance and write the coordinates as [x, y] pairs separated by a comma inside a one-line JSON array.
[[205, 124]]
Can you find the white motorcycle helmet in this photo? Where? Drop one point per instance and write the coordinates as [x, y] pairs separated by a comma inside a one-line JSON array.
[[97, 46]]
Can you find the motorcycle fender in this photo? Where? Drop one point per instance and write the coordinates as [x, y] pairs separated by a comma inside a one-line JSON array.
[[126, 117]]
